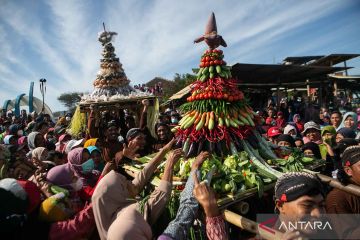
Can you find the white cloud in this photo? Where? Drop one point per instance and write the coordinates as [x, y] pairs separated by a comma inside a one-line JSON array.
[[155, 37]]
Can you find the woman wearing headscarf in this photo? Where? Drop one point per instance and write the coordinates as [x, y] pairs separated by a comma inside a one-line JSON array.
[[61, 144], [76, 158], [23, 141], [298, 123], [344, 133], [74, 220], [349, 121], [311, 149], [35, 139], [117, 215], [95, 162], [38, 157], [10, 140]]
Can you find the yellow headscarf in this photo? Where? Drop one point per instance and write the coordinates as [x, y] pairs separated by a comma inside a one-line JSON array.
[[90, 142]]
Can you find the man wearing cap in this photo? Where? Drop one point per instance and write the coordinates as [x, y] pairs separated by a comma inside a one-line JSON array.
[[273, 133], [312, 133], [299, 197], [107, 137], [341, 202]]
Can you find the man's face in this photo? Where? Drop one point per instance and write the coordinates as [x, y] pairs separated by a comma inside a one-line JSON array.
[[305, 208], [354, 172], [140, 141], [284, 144], [313, 135], [112, 133], [335, 119], [299, 143], [162, 132]]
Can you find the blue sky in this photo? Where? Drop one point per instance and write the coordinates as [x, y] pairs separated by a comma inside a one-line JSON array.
[[57, 40]]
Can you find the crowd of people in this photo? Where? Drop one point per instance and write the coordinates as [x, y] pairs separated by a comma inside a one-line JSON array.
[[58, 186], [156, 90]]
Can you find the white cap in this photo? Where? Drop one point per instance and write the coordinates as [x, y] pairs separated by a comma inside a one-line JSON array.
[[288, 128], [70, 145]]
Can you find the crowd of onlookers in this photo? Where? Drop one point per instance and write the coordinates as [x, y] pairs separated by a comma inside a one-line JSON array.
[[57, 186], [156, 89]]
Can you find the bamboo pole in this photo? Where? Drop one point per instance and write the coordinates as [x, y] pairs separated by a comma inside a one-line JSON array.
[[251, 226], [350, 188]]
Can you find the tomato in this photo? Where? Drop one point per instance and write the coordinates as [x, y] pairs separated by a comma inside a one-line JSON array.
[[219, 96], [207, 64], [231, 98], [207, 59], [225, 96], [211, 63], [206, 96], [216, 62], [201, 64], [211, 95]]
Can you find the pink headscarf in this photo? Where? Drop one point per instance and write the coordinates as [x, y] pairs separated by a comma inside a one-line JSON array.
[[22, 140], [61, 175], [75, 159]]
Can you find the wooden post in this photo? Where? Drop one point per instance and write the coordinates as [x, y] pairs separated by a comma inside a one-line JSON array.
[[278, 92], [251, 226], [335, 88], [321, 94], [346, 72], [308, 90]]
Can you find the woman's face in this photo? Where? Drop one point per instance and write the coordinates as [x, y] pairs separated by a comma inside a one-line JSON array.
[[284, 144], [349, 122], [339, 137], [96, 156], [85, 156], [308, 152]]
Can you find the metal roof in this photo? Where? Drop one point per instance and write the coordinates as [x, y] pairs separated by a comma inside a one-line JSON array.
[[265, 75], [333, 59], [301, 60]]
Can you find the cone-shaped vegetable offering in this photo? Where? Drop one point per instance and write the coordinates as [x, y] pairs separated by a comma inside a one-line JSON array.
[[216, 115], [111, 79]]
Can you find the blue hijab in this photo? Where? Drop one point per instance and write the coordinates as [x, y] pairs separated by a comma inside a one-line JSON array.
[[346, 115]]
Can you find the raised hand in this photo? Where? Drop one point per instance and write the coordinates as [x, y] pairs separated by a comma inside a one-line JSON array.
[[130, 150], [174, 156], [206, 197], [169, 145], [199, 160]]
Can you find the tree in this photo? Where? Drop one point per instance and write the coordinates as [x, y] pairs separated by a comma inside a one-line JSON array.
[[70, 99]]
